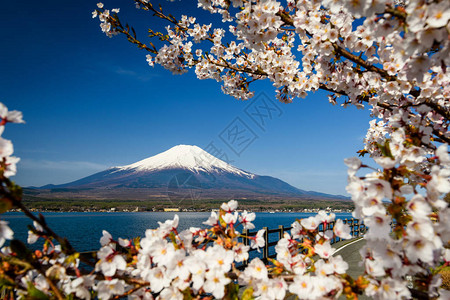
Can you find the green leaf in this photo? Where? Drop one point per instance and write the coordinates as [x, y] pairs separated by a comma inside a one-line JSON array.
[[173, 238], [35, 294], [5, 205], [6, 282], [20, 249], [231, 291], [248, 294], [15, 190], [386, 149], [187, 294], [70, 297]]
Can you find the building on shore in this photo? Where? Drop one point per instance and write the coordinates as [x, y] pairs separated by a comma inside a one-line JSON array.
[[171, 209]]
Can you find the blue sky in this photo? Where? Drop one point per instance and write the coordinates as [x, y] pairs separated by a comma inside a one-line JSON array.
[[92, 102]]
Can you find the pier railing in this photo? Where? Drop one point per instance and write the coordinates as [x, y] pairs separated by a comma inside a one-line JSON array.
[[272, 236]]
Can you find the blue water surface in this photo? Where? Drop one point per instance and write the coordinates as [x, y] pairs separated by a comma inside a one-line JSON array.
[[84, 229]]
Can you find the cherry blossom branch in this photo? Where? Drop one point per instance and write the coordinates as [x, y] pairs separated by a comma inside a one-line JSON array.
[[439, 109], [131, 38], [288, 21], [66, 246], [341, 51], [441, 136], [358, 60], [54, 288]]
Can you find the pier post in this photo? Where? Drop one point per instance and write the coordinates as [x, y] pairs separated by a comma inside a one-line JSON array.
[[266, 244], [281, 233]]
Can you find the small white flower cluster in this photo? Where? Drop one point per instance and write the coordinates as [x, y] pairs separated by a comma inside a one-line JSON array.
[[8, 162], [5, 232], [105, 19]]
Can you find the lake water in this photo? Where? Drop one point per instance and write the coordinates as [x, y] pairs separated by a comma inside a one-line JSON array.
[[84, 229]]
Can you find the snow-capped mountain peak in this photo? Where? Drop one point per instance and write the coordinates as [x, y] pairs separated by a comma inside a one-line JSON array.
[[178, 173], [186, 157]]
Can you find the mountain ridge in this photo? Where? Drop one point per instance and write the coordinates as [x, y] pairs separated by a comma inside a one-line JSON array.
[[181, 170]]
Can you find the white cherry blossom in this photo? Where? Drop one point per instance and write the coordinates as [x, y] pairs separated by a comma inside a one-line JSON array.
[[5, 232]]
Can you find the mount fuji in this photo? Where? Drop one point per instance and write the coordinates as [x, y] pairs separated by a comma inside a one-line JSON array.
[[181, 170]]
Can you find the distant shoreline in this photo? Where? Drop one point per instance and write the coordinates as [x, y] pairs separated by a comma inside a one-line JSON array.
[[197, 205], [179, 210]]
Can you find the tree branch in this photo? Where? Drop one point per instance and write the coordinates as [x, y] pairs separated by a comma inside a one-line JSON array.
[[286, 18]]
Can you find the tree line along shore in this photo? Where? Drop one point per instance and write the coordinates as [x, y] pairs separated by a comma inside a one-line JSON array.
[[117, 205]]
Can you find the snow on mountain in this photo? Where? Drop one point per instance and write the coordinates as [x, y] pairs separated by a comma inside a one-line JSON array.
[[186, 157]]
